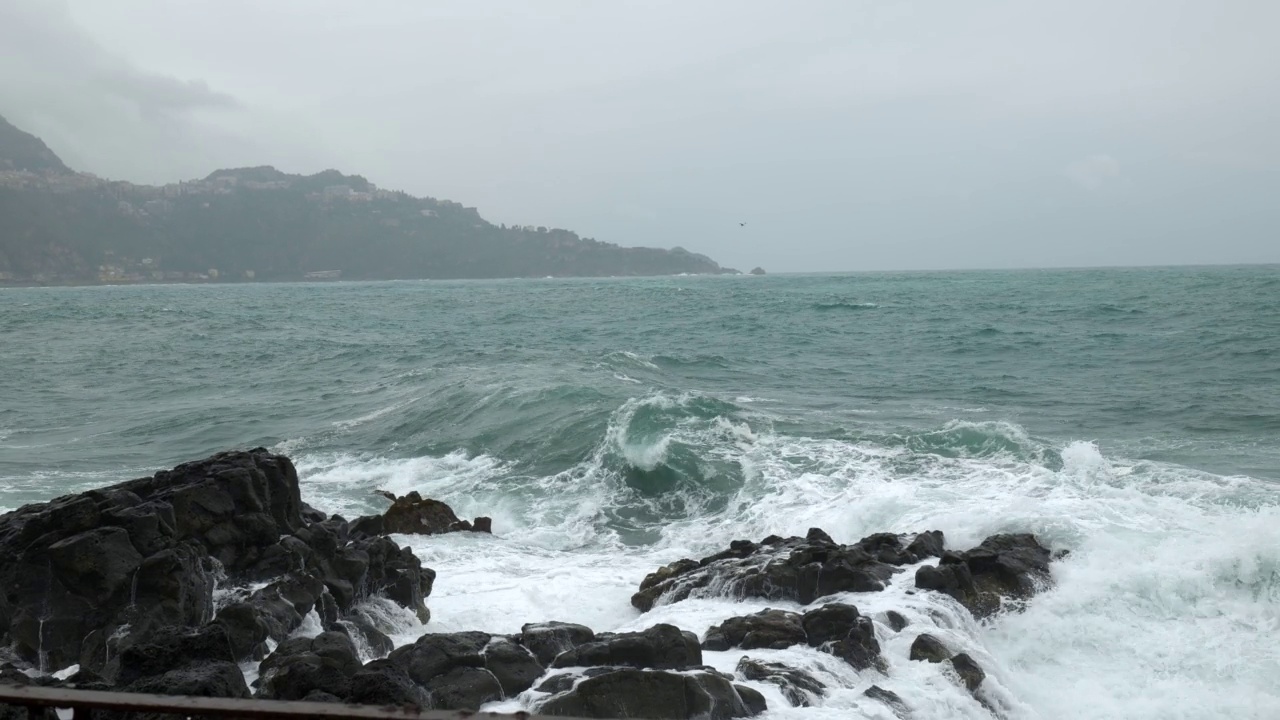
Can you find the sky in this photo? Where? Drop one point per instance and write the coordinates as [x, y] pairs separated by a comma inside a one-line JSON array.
[[846, 135]]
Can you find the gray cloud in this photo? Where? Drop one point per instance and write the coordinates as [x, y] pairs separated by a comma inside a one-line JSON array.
[[849, 135]]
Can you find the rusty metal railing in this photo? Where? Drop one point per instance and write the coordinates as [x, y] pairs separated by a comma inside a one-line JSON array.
[[83, 703]]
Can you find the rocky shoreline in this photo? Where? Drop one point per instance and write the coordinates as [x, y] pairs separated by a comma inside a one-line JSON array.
[[175, 583]]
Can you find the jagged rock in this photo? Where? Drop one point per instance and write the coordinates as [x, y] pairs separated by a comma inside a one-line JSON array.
[[656, 695], [859, 647], [888, 697], [1002, 567], [547, 640], [798, 687], [969, 671], [662, 646], [413, 514], [800, 569], [895, 620], [88, 575], [928, 647], [435, 654], [774, 629]]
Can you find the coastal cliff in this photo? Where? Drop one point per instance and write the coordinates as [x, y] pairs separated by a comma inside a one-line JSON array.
[[258, 223]]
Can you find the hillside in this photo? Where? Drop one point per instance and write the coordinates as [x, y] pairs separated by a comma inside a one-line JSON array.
[[58, 226]]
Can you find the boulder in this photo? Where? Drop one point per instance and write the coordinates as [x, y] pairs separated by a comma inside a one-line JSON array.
[[547, 640], [773, 629], [662, 646], [1001, 568], [971, 674], [301, 666], [463, 670], [930, 648], [381, 683], [413, 514], [888, 697], [799, 569], [831, 622], [170, 649], [512, 665], [465, 688], [656, 695], [895, 620], [798, 687]]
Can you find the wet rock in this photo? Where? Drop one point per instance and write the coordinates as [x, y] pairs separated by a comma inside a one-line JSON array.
[[930, 648], [512, 665], [381, 683], [657, 695], [969, 671], [170, 649], [829, 623], [859, 648], [798, 687], [662, 646], [1003, 567], [301, 666], [435, 654], [464, 688], [896, 621], [212, 679], [888, 697], [773, 629], [557, 683], [799, 569], [413, 514], [369, 640], [89, 574], [547, 640]]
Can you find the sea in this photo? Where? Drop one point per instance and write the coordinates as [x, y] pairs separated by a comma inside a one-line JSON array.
[[610, 426]]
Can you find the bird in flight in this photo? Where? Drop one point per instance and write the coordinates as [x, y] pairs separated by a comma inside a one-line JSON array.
[[742, 224]]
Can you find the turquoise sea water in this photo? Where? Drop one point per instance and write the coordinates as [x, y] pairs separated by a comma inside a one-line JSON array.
[[1130, 416]]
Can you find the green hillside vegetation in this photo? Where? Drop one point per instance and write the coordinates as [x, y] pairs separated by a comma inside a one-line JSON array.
[[263, 224]]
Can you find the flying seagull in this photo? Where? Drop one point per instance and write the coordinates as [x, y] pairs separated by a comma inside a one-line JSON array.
[[742, 224]]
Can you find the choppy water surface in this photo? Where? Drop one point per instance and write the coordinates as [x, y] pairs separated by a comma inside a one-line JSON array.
[[610, 426]]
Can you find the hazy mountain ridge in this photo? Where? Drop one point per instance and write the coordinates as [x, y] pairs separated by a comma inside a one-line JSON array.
[[259, 223]]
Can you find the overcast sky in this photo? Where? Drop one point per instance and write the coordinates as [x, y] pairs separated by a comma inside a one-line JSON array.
[[848, 135]]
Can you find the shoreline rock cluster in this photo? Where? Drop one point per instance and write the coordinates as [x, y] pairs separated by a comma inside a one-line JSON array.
[[170, 584]]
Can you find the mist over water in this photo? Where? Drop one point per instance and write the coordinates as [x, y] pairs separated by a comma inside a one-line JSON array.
[[610, 426]]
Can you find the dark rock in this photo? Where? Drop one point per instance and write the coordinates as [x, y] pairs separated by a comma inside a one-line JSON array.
[[1003, 567], [895, 620], [370, 640], [413, 515], [927, 544], [547, 640], [381, 683], [87, 575], [928, 647], [661, 646], [436, 653], [798, 687], [301, 666], [483, 525], [173, 648], [969, 671], [888, 697], [212, 679], [247, 630], [464, 688], [800, 569], [831, 622], [657, 695], [773, 629], [514, 666], [859, 648], [557, 683]]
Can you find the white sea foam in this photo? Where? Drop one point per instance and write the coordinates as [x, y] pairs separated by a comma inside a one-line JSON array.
[[1166, 607]]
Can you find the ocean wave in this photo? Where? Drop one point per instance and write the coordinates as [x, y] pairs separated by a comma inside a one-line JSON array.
[[844, 305]]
